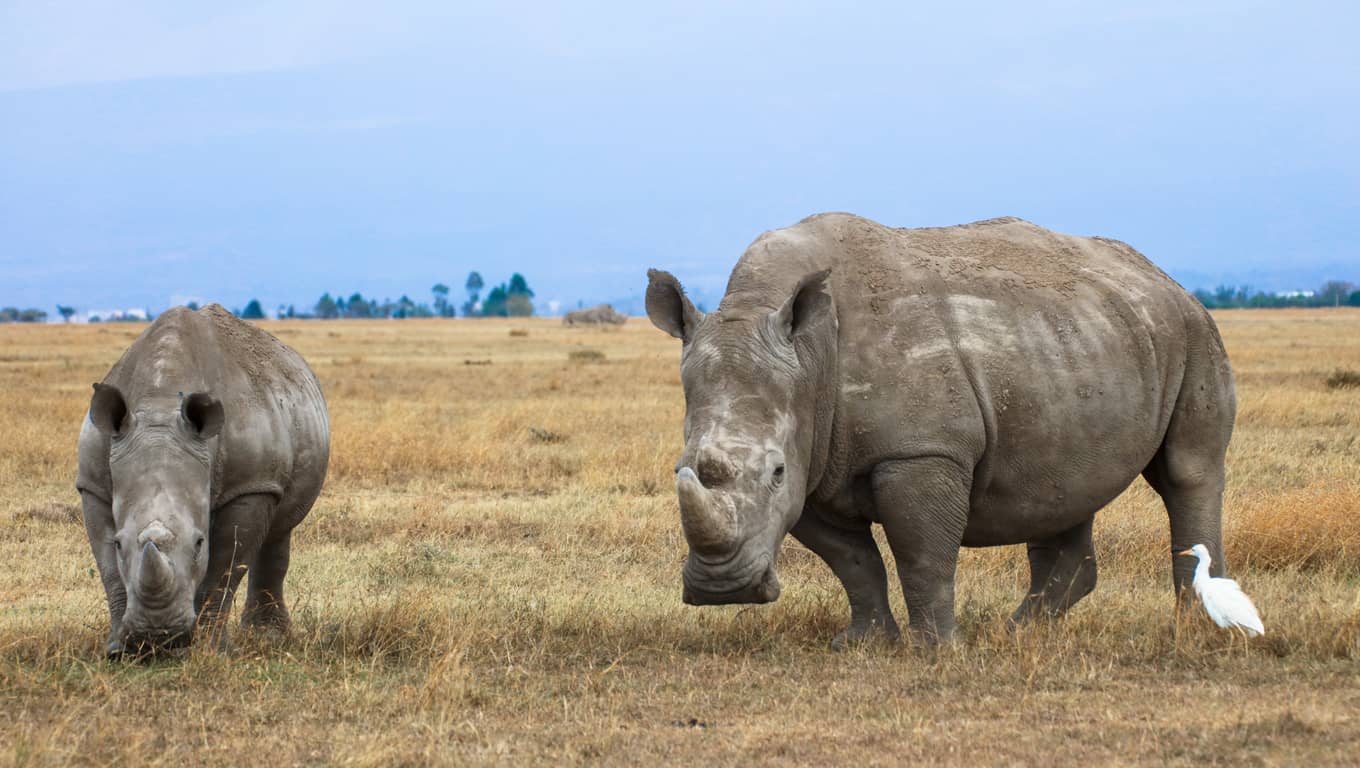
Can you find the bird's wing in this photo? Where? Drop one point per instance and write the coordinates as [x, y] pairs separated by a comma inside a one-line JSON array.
[[1229, 606]]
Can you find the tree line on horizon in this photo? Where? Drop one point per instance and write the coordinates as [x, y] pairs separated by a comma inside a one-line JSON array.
[[1333, 293], [515, 299], [509, 299]]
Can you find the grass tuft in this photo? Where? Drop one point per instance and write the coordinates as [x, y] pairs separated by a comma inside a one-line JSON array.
[[1343, 378]]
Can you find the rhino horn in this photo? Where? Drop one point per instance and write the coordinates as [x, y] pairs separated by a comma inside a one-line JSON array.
[[157, 579], [705, 528]]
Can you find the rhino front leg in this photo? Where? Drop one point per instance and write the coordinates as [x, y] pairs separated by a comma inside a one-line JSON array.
[[1062, 570], [853, 556], [923, 505], [264, 599], [238, 529], [99, 528]]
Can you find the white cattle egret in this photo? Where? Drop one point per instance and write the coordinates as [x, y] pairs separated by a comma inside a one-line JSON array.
[[1223, 600]]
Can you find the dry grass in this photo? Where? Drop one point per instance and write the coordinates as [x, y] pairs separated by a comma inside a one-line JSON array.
[[492, 575]]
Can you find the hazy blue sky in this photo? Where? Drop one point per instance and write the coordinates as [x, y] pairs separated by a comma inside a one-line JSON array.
[[278, 150]]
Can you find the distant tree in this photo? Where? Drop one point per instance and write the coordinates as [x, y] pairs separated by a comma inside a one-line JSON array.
[[358, 307], [326, 308], [441, 299], [16, 315], [519, 305], [518, 298], [474, 287], [1223, 296], [253, 311], [518, 285], [192, 306], [495, 303], [1354, 299], [65, 313], [1334, 293]]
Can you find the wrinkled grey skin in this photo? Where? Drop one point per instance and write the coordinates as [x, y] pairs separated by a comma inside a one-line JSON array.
[[203, 447], [986, 384]]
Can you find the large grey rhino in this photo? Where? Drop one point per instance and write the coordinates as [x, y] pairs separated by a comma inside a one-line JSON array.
[[204, 446], [985, 384]]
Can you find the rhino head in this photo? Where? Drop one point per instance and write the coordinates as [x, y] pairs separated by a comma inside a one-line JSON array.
[[160, 461], [757, 421]]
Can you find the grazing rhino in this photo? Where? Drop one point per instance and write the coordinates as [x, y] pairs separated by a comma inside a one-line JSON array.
[[978, 385], [204, 446]]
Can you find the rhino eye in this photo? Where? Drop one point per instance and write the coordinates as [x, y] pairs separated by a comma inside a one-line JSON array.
[[198, 546], [779, 475]]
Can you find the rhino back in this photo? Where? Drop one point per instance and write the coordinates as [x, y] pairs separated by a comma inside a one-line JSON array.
[[1049, 363], [281, 438]]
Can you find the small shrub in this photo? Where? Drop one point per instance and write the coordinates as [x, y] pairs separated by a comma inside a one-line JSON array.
[[546, 435], [1343, 378], [585, 356], [520, 332]]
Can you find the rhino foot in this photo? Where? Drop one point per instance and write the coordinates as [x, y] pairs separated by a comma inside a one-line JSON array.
[[879, 630]]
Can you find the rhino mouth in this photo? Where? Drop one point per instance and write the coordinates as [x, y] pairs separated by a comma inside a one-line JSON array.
[[753, 582], [146, 643]]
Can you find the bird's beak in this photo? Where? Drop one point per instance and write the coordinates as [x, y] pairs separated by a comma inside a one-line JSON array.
[[1186, 552]]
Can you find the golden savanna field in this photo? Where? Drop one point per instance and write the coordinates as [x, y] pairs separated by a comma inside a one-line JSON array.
[[492, 575]]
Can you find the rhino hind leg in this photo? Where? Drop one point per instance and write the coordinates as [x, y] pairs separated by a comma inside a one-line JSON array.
[[1062, 570], [923, 505], [853, 556], [264, 608], [1188, 471], [1194, 508]]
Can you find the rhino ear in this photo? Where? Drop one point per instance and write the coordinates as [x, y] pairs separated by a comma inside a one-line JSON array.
[[668, 306], [204, 413], [108, 410], [810, 304]]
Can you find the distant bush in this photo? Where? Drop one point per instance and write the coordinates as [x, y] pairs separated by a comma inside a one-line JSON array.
[[602, 314], [583, 356], [546, 435], [1343, 378]]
